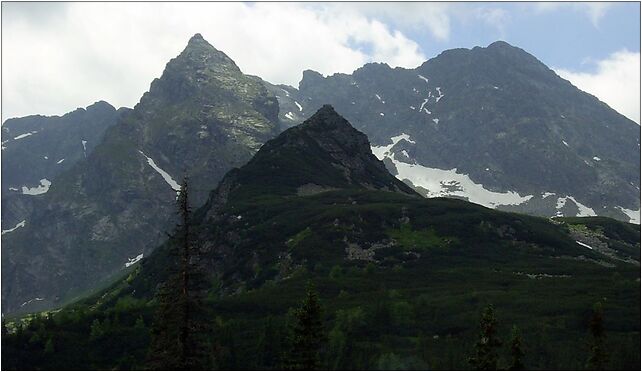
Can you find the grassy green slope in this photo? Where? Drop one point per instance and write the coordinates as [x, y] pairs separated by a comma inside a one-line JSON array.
[[413, 303]]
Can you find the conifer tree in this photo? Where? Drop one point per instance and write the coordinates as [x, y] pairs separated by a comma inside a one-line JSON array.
[[49, 346], [179, 332], [269, 345], [516, 352], [485, 355], [598, 356], [4, 328], [307, 334]]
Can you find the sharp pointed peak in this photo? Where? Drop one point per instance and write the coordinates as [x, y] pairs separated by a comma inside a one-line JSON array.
[[201, 51], [327, 118], [197, 36], [327, 109], [197, 41]]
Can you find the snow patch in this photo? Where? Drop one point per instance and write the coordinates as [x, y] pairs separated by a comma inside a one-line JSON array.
[[423, 104], [441, 182], [131, 261], [381, 113], [565, 144], [423, 78], [412, 107], [435, 120], [584, 245], [383, 151], [170, 181], [583, 209], [634, 216], [289, 115], [12, 189], [18, 225], [32, 300], [46, 157], [287, 94], [84, 147], [441, 95], [299, 106], [547, 194], [379, 98], [60, 161], [405, 153], [41, 189], [25, 135], [596, 158], [494, 87]]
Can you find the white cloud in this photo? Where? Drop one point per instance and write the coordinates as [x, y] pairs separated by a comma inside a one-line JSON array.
[[417, 16], [74, 54], [615, 82], [494, 17], [593, 10]]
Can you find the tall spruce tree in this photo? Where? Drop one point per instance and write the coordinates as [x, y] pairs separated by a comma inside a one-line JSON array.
[[180, 329], [485, 356], [516, 352], [4, 329], [307, 335], [598, 356]]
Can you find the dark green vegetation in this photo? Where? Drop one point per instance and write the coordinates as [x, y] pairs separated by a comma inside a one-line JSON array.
[[496, 114], [401, 280]]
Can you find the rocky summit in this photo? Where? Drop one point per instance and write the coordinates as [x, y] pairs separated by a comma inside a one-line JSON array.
[[201, 118], [491, 125]]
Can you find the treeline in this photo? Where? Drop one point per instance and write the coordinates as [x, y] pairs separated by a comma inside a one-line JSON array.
[[301, 340]]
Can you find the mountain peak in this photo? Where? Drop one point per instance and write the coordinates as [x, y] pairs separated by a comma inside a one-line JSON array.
[[499, 44], [326, 118], [323, 153], [197, 38], [198, 47]]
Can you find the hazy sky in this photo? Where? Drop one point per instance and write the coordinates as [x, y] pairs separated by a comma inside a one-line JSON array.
[[60, 56]]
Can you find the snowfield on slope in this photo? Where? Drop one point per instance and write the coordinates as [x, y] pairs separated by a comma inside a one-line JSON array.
[[440, 182], [170, 181], [449, 182]]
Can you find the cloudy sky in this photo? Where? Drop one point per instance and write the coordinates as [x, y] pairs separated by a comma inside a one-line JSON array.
[[60, 56]]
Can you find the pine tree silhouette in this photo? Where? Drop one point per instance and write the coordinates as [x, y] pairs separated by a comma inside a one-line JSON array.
[[598, 356], [516, 352], [180, 329], [485, 356], [307, 334]]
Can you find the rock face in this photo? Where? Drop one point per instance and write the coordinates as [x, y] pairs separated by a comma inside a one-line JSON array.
[[36, 149], [201, 118], [492, 125]]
